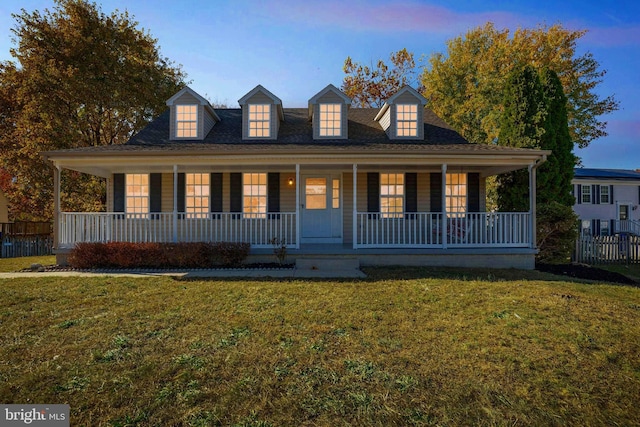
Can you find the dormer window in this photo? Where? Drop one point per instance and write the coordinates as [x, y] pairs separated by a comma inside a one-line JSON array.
[[186, 121], [259, 120], [407, 120], [330, 119]]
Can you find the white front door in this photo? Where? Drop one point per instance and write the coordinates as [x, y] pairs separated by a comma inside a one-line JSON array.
[[321, 208]]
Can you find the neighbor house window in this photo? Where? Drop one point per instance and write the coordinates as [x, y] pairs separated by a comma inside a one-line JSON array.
[[197, 195], [604, 227], [330, 119], [259, 120], [254, 193], [407, 120], [604, 194], [137, 193], [586, 227], [186, 121], [456, 192], [391, 195], [586, 194]]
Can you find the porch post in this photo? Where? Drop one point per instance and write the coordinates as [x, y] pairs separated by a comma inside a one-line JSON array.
[[56, 207], [298, 225], [444, 206], [532, 205], [175, 203], [354, 210]]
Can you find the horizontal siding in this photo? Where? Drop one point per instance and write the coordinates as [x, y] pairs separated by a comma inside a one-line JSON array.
[[167, 192], [347, 207]]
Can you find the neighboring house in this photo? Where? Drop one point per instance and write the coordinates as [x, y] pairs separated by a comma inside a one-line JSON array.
[[607, 200], [393, 185], [4, 208]]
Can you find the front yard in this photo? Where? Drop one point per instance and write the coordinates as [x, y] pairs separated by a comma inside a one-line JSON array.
[[404, 347]]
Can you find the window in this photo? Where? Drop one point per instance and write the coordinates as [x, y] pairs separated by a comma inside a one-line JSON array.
[[586, 227], [186, 121], [259, 120], [586, 194], [330, 119], [456, 192], [254, 193], [137, 193], [391, 195], [604, 195], [315, 190], [407, 120], [604, 227], [197, 195], [336, 194]]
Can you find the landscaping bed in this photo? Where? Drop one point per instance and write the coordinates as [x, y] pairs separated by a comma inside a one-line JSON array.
[[582, 271]]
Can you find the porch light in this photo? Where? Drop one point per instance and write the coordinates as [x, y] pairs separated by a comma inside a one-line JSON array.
[[290, 181]]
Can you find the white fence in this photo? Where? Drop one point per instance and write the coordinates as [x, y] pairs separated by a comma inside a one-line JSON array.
[[608, 250]]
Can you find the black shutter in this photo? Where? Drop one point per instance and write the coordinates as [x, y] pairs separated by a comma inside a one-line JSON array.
[[436, 192], [579, 194], [411, 192], [473, 182], [373, 192], [155, 192], [235, 188], [118, 192], [595, 191], [612, 225], [182, 187], [216, 192], [273, 192], [611, 194]]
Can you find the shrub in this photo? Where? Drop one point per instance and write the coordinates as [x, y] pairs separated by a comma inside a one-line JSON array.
[[230, 253], [556, 232], [88, 255]]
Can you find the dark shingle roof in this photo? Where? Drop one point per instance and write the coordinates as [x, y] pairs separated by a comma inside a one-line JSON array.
[[584, 173]]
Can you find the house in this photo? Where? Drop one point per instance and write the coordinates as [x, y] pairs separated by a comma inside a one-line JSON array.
[[607, 200], [394, 185]]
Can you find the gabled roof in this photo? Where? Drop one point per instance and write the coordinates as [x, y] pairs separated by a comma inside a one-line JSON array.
[[421, 99], [617, 174], [201, 100], [330, 88], [277, 101]]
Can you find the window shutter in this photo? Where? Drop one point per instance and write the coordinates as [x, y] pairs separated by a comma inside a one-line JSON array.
[[595, 193], [118, 192], [235, 184], [593, 227], [373, 192], [612, 224], [411, 192], [579, 194], [155, 192], [473, 181], [436, 192], [611, 194], [182, 186], [273, 192], [216, 192]]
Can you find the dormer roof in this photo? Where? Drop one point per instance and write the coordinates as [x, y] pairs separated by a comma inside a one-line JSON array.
[[405, 89], [201, 100], [261, 89]]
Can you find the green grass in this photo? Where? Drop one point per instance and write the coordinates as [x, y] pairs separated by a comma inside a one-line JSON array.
[[632, 270], [8, 265], [405, 347]]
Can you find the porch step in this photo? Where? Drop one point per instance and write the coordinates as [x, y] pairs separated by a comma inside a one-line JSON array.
[[328, 264]]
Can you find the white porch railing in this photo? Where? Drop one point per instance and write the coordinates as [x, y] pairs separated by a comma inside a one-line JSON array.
[[420, 230], [627, 226], [162, 227]]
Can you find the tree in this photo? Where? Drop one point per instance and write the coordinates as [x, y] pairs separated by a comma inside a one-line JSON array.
[[372, 86], [521, 125], [464, 86], [82, 78]]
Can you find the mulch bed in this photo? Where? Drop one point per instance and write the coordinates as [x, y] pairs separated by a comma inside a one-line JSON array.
[[253, 266], [581, 271]]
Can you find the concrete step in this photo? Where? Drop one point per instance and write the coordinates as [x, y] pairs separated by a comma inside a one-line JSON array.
[[329, 264]]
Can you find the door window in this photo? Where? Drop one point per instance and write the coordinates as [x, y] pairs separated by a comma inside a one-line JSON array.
[[624, 212], [316, 193]]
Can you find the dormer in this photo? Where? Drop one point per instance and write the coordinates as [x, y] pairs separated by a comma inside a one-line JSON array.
[[328, 112], [261, 114], [192, 117], [402, 115]]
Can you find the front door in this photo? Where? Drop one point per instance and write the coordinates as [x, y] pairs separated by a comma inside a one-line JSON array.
[[321, 208]]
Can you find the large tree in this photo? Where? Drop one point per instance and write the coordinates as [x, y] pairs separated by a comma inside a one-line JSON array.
[[464, 85], [80, 78]]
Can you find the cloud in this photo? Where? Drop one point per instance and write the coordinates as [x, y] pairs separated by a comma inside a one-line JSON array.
[[613, 36]]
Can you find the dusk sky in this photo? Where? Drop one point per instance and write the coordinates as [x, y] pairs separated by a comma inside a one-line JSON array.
[[295, 48]]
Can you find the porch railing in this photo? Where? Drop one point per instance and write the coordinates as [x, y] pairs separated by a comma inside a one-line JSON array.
[[163, 227], [485, 229], [627, 226]]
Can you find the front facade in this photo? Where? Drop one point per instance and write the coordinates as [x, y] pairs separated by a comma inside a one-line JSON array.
[[393, 185], [607, 201]]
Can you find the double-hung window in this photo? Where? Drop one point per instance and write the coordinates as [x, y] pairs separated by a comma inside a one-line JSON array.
[[406, 120], [137, 194], [604, 195], [456, 193], [197, 195], [186, 121], [391, 195], [330, 119], [259, 120], [586, 194], [254, 194]]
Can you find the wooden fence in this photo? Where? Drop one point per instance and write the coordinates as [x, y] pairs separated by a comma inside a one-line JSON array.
[[618, 249], [20, 239]]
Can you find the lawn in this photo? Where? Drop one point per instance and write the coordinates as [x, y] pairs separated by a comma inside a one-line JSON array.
[[404, 347]]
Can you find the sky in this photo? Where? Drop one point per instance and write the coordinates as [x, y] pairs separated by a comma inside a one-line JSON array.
[[295, 48]]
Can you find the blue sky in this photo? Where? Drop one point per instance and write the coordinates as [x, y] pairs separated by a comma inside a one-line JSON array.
[[295, 48]]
